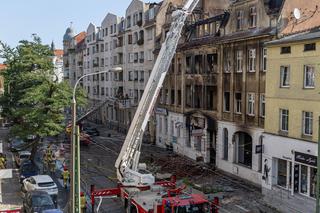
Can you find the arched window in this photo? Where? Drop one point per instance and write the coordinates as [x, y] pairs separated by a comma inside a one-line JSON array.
[[225, 144]]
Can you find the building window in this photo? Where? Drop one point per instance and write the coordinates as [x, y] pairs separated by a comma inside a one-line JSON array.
[[284, 120], [244, 145], [130, 39], [307, 123], [238, 103], [172, 128], [253, 17], [264, 59], [239, 60], [262, 105], [226, 107], [179, 97], [128, 21], [250, 103], [172, 97], [165, 125], [150, 34], [160, 124], [141, 76], [310, 47], [284, 76], [136, 57], [130, 76], [285, 50], [284, 177], [239, 20], [282, 173], [227, 61], [212, 60], [225, 144], [308, 76], [303, 179], [252, 60]]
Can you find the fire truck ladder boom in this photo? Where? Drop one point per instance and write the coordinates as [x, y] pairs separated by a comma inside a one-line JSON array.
[[127, 164]]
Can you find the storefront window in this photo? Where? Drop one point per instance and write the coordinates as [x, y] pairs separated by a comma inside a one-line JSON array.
[[304, 179], [313, 181], [282, 173]]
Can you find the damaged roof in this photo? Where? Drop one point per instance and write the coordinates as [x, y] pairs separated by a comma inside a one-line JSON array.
[[248, 34], [273, 6]]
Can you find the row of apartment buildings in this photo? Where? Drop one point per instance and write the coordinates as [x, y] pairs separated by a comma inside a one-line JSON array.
[[241, 93]]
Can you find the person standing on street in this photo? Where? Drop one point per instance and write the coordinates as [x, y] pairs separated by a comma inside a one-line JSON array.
[[65, 176], [52, 164], [83, 203], [2, 162]]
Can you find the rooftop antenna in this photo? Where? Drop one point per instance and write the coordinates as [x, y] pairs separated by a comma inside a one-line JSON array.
[[297, 13], [71, 24]]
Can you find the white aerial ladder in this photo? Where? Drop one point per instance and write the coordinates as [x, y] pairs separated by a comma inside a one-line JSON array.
[[127, 164]]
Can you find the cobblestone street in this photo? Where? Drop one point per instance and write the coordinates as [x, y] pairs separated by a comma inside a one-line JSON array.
[[98, 168]]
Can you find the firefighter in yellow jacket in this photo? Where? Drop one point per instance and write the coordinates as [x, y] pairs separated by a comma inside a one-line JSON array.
[[83, 202], [65, 177], [2, 162]]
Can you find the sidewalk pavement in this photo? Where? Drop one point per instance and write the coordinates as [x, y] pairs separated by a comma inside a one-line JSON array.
[[10, 189]]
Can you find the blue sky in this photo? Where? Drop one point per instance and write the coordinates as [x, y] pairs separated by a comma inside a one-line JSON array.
[[49, 19]]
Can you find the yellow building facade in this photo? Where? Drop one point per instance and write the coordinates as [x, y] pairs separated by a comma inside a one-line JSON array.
[[296, 97], [292, 122]]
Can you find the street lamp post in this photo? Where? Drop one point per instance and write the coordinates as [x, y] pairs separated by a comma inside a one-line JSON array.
[[75, 148]]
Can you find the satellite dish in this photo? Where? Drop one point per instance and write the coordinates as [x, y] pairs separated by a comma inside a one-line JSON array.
[[296, 13]]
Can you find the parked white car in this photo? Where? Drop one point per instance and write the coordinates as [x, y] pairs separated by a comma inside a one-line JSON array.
[[40, 183]]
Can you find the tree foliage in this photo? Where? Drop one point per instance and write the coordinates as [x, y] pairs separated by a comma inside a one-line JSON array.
[[33, 99]]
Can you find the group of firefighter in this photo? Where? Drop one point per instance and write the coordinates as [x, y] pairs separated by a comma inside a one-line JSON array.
[[50, 165]]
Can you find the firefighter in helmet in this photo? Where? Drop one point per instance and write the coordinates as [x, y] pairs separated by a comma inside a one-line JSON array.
[[83, 202], [65, 177]]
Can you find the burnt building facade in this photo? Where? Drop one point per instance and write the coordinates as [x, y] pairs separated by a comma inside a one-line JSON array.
[[212, 104]]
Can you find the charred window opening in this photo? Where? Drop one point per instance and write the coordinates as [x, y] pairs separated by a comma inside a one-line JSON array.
[[188, 96], [188, 64], [212, 62], [179, 97], [198, 97], [226, 102], [179, 66], [198, 64], [172, 97], [171, 70], [211, 96]]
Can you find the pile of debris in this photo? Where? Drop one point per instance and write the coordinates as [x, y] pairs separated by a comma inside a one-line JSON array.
[[175, 164]]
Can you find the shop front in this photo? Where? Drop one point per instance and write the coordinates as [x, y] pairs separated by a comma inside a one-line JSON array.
[[290, 169]]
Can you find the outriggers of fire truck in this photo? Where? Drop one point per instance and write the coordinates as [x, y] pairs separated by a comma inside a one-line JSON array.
[[137, 187]]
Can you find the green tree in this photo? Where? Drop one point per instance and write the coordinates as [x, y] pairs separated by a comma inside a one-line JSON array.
[[33, 99]]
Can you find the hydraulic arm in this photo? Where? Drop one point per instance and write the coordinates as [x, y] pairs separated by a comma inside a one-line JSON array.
[[128, 160]]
